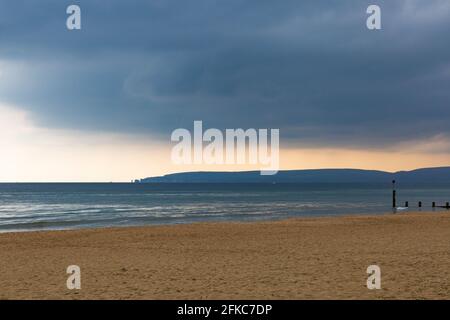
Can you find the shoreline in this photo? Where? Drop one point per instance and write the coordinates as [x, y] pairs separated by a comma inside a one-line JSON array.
[[294, 258], [231, 221]]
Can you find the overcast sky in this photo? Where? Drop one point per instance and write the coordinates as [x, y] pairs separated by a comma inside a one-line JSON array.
[[310, 68]]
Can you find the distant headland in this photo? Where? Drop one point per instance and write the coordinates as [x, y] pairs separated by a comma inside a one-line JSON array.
[[423, 175]]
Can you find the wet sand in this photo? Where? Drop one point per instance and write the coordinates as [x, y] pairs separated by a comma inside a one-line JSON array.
[[307, 258]]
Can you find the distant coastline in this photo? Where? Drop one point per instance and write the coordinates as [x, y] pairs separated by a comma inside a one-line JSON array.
[[423, 175]]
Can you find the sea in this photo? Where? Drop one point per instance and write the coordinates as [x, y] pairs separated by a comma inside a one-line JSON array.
[[59, 206]]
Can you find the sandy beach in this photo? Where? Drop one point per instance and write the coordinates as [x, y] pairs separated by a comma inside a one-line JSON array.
[[307, 258]]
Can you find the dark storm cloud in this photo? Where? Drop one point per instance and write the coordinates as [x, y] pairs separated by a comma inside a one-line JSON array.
[[310, 68]]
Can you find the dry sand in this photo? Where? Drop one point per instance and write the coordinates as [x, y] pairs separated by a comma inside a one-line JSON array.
[[309, 258]]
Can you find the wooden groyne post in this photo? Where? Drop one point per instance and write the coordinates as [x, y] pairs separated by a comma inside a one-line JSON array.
[[394, 195]]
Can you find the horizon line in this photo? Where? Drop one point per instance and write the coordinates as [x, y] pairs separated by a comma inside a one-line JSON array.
[[133, 181]]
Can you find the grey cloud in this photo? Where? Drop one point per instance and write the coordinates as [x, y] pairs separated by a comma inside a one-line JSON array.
[[310, 68]]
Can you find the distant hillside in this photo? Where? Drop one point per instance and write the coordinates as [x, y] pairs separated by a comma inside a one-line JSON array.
[[426, 175]]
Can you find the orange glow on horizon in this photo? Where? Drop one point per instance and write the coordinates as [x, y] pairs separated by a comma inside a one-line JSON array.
[[32, 154]]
